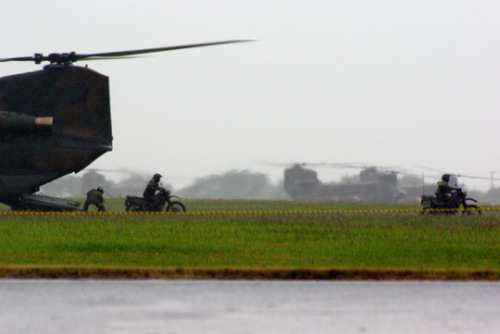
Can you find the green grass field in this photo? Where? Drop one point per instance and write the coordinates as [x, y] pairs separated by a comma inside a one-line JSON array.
[[253, 239]]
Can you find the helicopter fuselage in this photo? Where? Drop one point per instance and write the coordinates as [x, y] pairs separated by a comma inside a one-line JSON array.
[[53, 122]]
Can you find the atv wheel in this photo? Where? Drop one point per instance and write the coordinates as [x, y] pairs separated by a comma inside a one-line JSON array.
[[471, 210]]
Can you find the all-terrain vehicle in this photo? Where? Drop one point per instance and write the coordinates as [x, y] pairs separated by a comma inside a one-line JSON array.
[[457, 202]]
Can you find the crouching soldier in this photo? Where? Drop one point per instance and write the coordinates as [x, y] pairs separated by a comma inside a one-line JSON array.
[[94, 196]]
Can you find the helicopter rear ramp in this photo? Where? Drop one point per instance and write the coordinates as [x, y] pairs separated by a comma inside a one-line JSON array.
[[32, 202]]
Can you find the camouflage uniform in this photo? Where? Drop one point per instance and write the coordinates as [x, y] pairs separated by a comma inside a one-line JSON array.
[[151, 188], [94, 196]]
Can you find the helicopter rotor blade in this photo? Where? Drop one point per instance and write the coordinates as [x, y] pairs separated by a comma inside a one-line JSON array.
[[161, 49], [68, 58], [477, 177], [111, 58], [17, 59]]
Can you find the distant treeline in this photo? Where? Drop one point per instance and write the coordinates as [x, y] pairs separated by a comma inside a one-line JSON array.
[[234, 184]]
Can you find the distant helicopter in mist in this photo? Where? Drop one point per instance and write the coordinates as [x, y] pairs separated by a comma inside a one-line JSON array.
[[373, 184]]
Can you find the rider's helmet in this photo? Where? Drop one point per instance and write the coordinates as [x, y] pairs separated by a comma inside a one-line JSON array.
[[445, 177], [157, 177], [100, 190]]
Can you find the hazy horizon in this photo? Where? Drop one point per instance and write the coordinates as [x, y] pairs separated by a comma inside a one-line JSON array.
[[396, 84]]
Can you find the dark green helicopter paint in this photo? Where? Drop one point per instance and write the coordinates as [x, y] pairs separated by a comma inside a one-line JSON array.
[[77, 100], [54, 122]]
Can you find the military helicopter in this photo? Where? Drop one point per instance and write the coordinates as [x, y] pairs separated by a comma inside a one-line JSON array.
[[374, 185], [54, 122]]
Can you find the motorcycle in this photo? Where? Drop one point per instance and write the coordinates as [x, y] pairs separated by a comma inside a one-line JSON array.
[[140, 204], [457, 202]]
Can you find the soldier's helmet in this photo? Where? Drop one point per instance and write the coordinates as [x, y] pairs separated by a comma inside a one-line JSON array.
[[100, 190], [157, 177], [445, 177]]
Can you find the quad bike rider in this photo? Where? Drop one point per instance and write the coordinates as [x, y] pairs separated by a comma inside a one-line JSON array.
[[155, 198], [445, 192], [448, 199]]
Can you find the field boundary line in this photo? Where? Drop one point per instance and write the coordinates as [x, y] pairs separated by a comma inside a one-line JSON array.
[[240, 213], [77, 272]]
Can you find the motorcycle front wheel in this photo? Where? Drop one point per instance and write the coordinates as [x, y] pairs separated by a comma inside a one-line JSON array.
[[471, 210], [175, 207]]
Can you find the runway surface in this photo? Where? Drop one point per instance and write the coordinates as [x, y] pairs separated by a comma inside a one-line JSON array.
[[194, 306]]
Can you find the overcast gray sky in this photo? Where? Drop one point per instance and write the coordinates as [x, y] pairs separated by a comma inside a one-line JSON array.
[[390, 83]]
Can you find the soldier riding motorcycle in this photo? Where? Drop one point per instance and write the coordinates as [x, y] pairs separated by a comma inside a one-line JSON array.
[[138, 204], [154, 199]]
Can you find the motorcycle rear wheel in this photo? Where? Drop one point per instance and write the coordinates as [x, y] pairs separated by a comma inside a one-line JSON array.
[[133, 208], [175, 207]]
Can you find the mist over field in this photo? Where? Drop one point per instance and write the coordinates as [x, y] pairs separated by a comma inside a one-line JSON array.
[[233, 184]]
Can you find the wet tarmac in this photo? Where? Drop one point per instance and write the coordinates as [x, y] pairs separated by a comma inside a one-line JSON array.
[[180, 306]]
